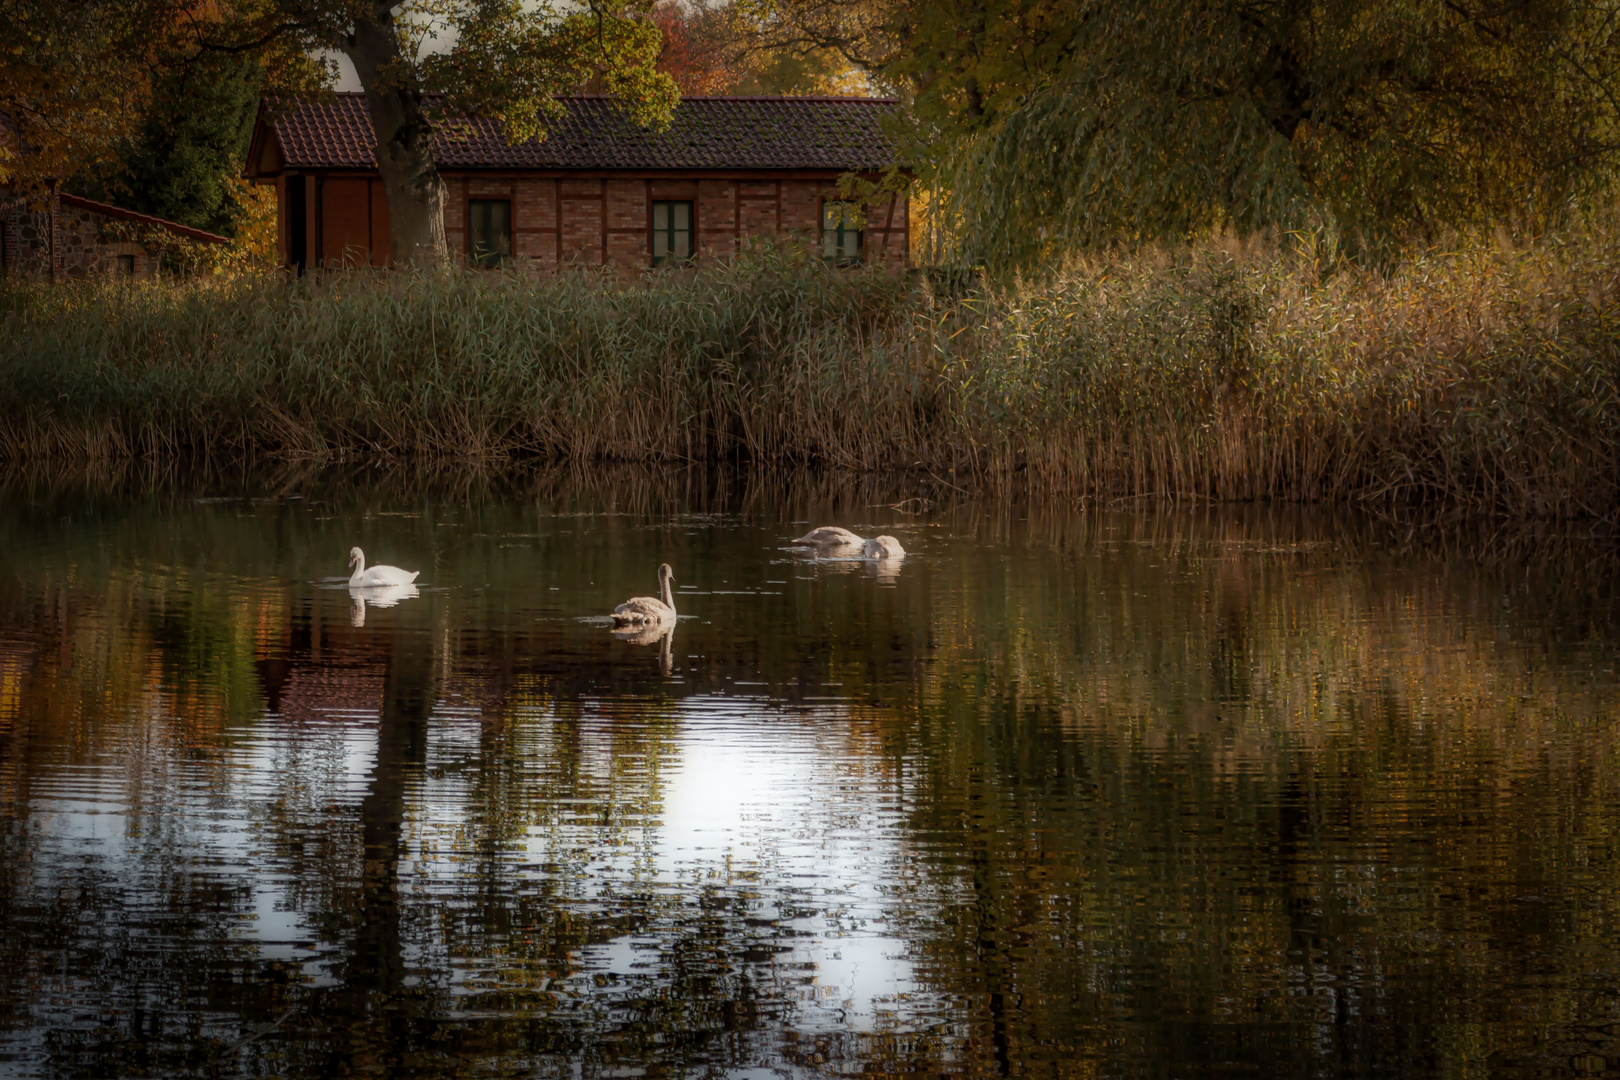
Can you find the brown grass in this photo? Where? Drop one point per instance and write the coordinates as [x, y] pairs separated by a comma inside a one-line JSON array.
[[1483, 377]]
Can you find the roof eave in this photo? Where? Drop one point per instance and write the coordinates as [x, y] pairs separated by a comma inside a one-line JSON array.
[[251, 171], [109, 210]]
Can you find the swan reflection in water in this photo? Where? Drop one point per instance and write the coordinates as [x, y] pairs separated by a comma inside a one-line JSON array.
[[646, 634], [883, 571], [376, 596]]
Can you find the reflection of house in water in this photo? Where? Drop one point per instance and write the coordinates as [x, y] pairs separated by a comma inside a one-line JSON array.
[[311, 670], [309, 692], [16, 662]]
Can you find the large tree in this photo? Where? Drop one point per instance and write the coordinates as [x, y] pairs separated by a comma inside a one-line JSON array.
[[1377, 120], [717, 48], [425, 63], [183, 159], [119, 95], [1057, 124], [73, 80]]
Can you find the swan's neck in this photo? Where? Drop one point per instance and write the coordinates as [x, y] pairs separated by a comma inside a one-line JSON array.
[[359, 568], [669, 597]]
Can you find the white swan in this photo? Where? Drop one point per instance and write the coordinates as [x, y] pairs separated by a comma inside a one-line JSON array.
[[377, 575], [647, 609], [831, 538]]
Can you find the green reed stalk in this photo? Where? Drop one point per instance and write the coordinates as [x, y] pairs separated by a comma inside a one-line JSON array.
[[1483, 377]]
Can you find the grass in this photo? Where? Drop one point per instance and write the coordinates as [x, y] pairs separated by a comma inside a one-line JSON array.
[[1482, 377]]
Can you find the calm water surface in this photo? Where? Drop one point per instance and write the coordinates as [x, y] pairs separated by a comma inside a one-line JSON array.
[[1069, 793]]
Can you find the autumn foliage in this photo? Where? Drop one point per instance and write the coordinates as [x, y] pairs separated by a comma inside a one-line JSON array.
[[696, 54]]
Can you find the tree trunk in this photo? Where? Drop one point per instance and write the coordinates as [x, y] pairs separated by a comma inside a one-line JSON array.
[[404, 151], [374, 1000]]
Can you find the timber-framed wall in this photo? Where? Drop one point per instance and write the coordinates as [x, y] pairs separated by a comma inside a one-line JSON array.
[[563, 212]]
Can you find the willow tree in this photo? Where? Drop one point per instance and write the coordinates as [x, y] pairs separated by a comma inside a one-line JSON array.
[[1088, 123], [1055, 124]]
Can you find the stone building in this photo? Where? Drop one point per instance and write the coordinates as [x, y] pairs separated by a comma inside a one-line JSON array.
[[74, 237], [599, 190]]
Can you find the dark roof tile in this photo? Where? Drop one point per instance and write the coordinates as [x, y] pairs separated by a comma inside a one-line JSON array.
[[706, 133]]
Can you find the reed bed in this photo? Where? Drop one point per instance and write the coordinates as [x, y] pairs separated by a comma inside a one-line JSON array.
[[1483, 376]]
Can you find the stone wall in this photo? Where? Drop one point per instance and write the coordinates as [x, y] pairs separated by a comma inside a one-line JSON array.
[[25, 237], [29, 248]]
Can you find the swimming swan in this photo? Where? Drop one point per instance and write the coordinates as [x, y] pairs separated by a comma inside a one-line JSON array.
[[377, 575], [646, 609], [833, 539]]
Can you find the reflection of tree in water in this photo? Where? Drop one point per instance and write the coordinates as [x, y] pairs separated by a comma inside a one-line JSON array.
[[1168, 790], [1267, 812], [526, 823]]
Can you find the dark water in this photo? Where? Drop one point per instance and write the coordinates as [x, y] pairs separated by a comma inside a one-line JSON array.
[[1074, 792]]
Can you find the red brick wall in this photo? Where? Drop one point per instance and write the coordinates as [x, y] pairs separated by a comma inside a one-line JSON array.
[[801, 207], [757, 206], [889, 244], [627, 223], [606, 220], [583, 219], [716, 217], [534, 221]]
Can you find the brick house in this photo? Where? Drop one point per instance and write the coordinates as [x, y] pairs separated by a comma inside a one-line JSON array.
[[599, 190], [74, 237]]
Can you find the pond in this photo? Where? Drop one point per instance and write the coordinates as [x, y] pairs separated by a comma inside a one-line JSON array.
[[1127, 790]]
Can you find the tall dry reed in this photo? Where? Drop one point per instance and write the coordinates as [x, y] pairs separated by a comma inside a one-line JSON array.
[[1483, 377]]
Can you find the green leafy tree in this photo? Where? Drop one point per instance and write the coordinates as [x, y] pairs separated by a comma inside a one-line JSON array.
[[1095, 122], [1051, 125], [180, 162], [135, 99], [426, 63]]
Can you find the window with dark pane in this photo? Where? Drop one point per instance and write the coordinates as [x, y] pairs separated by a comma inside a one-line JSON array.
[[126, 266], [841, 233], [671, 232], [489, 231]]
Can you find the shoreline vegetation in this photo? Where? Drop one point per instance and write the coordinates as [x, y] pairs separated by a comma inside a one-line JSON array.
[[1482, 377]]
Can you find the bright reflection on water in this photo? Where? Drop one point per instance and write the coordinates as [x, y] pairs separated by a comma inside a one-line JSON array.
[[1117, 792]]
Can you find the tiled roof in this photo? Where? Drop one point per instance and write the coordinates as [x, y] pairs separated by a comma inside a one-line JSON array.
[[109, 210], [706, 133]]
